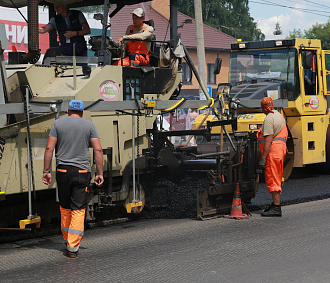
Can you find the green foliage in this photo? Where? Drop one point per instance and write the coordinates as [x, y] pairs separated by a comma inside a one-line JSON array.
[[277, 30], [322, 32], [317, 31], [296, 33], [230, 16]]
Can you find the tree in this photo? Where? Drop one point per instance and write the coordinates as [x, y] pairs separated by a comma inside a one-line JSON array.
[[277, 30], [230, 16], [317, 31], [296, 33]]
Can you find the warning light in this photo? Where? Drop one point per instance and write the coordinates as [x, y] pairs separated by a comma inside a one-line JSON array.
[[239, 40]]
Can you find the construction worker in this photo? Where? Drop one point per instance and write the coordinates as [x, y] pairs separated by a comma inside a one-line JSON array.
[[138, 50], [73, 135], [310, 76], [71, 26], [272, 137]]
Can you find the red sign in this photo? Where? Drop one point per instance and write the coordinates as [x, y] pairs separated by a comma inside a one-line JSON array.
[[17, 34], [314, 103], [109, 90]]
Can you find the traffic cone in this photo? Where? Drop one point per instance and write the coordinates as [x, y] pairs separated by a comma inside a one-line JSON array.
[[236, 208]]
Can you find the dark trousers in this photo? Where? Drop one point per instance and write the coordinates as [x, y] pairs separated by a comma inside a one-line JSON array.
[[73, 184]]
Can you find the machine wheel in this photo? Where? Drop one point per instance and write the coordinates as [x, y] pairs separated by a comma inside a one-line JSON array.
[[289, 158]]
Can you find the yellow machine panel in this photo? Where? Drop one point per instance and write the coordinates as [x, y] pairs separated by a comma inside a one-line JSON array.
[[309, 134], [245, 122], [122, 146]]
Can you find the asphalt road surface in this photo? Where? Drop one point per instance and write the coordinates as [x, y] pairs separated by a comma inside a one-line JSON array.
[[293, 248]]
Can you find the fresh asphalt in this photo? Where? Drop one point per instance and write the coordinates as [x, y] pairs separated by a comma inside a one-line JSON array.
[[304, 184], [293, 248]]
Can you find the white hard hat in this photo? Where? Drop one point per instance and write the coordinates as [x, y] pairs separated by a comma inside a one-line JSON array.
[[138, 12]]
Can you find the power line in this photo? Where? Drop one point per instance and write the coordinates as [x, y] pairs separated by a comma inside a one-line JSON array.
[[317, 3], [293, 8], [299, 2], [297, 8]]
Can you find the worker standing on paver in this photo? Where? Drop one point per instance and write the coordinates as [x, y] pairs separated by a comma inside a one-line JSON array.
[[71, 26], [73, 136], [272, 137]]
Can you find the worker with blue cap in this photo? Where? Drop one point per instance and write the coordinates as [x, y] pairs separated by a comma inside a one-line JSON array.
[[73, 135]]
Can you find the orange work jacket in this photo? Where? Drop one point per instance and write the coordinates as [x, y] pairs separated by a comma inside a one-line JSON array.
[[138, 46], [281, 137], [275, 158]]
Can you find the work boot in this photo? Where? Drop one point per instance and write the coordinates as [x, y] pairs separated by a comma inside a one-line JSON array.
[[269, 207], [272, 211], [72, 254]]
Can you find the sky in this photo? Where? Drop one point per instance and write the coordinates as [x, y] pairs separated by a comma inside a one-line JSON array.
[[291, 14]]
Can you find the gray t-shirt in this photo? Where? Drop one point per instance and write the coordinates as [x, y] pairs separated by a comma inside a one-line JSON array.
[[81, 17], [73, 140]]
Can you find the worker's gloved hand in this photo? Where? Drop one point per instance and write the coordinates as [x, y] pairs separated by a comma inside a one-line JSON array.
[[262, 164]]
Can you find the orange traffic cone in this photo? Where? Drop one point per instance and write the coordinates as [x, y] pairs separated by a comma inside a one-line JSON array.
[[236, 208]]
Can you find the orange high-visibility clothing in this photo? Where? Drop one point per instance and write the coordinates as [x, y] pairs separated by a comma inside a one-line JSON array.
[[313, 71], [138, 52], [72, 226], [134, 60], [73, 191], [138, 46], [275, 158]]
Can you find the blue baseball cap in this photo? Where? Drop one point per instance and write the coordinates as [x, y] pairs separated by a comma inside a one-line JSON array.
[[76, 105]]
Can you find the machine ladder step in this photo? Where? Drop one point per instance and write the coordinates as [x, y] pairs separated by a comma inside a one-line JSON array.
[[129, 206], [36, 220]]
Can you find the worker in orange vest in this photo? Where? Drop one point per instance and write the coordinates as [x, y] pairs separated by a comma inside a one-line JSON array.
[[272, 137], [136, 47], [72, 135]]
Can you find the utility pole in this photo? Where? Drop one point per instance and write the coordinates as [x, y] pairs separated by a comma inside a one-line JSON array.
[[174, 22], [200, 45]]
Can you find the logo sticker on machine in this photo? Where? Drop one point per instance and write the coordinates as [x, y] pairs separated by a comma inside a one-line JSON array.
[[109, 90], [314, 102]]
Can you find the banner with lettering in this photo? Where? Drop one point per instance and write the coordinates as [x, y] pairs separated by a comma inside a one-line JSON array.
[[17, 34]]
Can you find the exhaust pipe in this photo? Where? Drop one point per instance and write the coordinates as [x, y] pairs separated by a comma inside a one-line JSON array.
[[33, 34]]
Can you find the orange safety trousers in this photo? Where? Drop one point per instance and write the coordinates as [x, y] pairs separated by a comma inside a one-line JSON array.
[[138, 53], [275, 158], [72, 184], [72, 226], [134, 60]]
